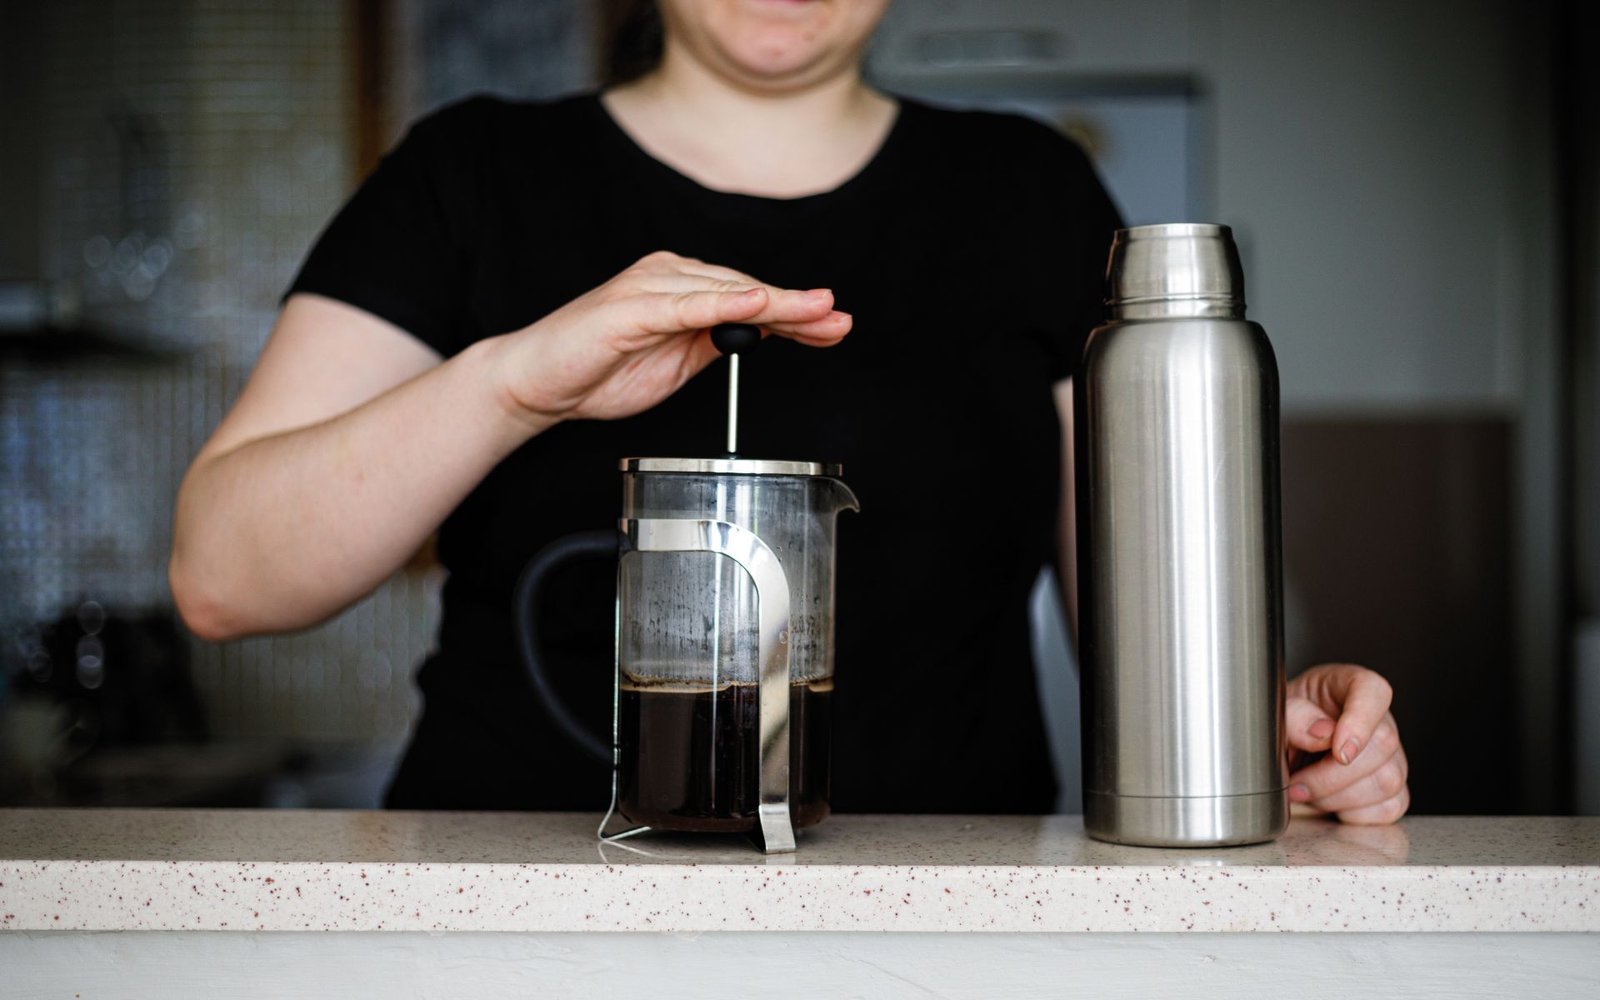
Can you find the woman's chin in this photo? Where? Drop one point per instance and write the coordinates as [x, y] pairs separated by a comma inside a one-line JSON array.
[[777, 55], [775, 69], [775, 44]]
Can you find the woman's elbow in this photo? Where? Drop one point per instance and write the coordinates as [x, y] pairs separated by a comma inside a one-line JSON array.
[[196, 570], [206, 612]]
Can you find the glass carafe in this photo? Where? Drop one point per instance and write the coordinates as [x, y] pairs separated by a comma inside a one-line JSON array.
[[724, 656]]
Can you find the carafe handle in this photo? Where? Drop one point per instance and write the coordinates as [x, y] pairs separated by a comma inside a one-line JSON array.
[[591, 544]]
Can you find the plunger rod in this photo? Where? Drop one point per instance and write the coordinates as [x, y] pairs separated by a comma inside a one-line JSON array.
[[730, 339], [733, 404]]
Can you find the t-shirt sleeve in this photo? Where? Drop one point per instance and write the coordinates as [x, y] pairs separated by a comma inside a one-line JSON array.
[[1089, 219], [401, 247]]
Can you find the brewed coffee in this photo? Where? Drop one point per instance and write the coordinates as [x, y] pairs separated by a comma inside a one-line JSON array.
[[689, 760]]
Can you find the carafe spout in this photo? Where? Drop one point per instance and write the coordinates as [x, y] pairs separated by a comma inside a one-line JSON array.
[[842, 496]]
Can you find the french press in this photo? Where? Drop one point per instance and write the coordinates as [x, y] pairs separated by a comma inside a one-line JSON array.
[[721, 714]]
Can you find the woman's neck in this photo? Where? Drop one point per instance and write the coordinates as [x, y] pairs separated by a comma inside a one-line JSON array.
[[778, 143]]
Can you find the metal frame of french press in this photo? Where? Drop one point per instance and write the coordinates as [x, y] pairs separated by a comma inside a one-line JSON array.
[[774, 832]]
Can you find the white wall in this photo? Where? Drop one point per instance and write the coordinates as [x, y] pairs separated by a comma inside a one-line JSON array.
[[1367, 156], [1388, 168], [1380, 163]]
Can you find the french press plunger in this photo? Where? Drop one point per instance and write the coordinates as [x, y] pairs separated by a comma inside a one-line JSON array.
[[721, 717]]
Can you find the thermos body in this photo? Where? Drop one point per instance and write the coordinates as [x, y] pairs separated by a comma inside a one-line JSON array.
[[1180, 583]]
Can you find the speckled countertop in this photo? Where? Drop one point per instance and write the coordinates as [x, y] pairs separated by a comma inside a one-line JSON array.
[[365, 871]]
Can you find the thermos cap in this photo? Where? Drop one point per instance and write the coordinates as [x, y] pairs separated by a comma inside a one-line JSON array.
[[1193, 267]]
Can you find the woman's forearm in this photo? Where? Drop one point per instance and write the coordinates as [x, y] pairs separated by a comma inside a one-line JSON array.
[[285, 530]]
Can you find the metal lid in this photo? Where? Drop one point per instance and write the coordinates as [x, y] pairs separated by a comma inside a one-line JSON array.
[[1174, 263], [732, 466]]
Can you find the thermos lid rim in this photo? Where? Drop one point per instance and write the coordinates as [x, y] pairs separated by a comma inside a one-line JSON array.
[[1175, 229], [1219, 296], [732, 466]]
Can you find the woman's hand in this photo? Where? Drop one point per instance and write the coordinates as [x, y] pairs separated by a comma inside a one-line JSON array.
[[352, 440], [625, 346], [1345, 753]]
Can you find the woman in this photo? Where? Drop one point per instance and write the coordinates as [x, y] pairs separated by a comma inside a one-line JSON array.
[[521, 294]]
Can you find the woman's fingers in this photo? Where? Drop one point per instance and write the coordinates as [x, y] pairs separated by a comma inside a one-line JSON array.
[[1344, 709], [1359, 697], [1366, 704], [1308, 727], [1387, 811], [667, 314], [1373, 776], [824, 332], [699, 268], [805, 315], [676, 280], [787, 306], [777, 309], [677, 283], [1380, 785]]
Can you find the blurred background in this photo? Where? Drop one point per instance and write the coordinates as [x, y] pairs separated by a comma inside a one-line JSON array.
[[1415, 189]]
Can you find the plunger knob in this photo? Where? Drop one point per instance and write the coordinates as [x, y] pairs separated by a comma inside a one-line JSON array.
[[734, 338]]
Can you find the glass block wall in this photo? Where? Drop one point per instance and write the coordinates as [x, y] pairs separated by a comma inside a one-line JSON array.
[[190, 151], [187, 154]]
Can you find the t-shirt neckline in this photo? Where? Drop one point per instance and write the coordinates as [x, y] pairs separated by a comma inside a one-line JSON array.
[[888, 148]]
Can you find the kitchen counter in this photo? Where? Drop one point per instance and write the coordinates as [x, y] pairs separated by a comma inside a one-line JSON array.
[[265, 875], [374, 871]]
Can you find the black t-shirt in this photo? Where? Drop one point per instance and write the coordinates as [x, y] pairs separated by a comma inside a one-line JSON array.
[[970, 251]]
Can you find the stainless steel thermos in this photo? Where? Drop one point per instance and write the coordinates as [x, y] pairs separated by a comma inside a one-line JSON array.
[[1180, 579]]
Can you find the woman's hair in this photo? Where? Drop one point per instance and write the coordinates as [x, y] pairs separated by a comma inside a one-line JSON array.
[[633, 39]]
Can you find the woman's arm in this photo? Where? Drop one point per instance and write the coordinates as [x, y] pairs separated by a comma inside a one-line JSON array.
[[1067, 526], [349, 444], [352, 441]]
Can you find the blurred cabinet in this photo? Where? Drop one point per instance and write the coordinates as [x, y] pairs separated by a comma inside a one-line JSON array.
[[1116, 37]]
